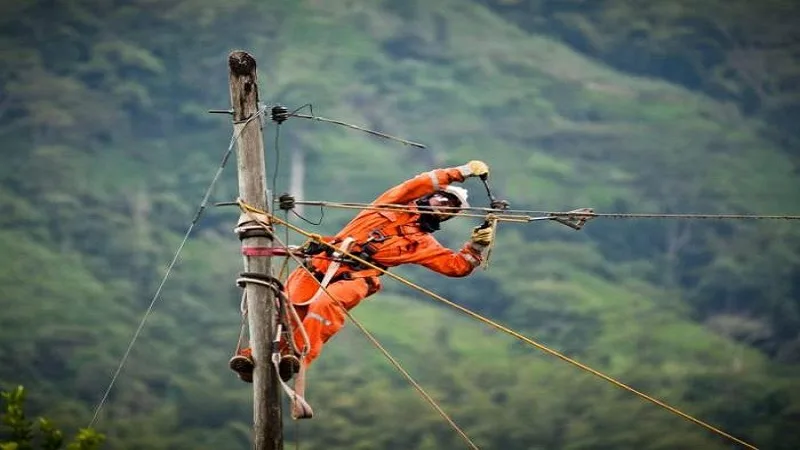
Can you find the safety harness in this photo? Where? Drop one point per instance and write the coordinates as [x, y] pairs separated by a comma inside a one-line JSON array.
[[364, 250], [328, 276]]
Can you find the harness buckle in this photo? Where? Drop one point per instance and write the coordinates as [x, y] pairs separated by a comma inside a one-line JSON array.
[[376, 236]]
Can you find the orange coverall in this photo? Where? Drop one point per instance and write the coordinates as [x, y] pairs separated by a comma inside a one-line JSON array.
[[405, 243]]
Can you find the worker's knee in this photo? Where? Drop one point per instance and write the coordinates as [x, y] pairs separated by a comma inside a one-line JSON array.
[[321, 323], [330, 317], [326, 316]]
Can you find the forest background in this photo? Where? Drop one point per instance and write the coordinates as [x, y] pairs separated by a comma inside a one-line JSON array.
[[660, 106]]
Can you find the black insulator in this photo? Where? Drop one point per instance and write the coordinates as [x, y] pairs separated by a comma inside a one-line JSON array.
[[280, 113], [286, 202], [499, 204]]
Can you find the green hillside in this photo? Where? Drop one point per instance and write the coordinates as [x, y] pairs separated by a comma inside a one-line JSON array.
[[736, 51], [108, 149]]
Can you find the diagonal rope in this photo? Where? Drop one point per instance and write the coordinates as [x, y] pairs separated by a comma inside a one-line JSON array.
[[252, 211], [195, 219], [375, 342]]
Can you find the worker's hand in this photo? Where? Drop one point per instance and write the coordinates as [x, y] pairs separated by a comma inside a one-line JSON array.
[[474, 168], [482, 237]]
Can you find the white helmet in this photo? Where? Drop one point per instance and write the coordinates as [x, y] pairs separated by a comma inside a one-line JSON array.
[[458, 193]]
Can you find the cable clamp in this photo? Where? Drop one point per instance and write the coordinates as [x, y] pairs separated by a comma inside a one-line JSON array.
[[574, 219]]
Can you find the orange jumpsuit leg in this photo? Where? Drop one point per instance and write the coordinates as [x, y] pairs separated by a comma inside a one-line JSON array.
[[299, 287], [324, 318]]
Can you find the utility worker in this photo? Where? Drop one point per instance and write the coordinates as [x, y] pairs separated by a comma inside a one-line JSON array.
[[386, 238]]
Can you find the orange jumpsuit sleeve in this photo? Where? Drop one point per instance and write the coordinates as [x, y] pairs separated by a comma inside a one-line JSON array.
[[420, 186], [434, 256]]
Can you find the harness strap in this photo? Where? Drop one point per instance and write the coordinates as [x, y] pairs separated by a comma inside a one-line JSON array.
[[333, 267], [300, 403], [395, 227]]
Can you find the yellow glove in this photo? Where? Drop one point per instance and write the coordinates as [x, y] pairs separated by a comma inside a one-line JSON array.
[[482, 237], [474, 168]]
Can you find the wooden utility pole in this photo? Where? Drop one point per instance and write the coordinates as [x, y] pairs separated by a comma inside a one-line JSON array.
[[267, 425]]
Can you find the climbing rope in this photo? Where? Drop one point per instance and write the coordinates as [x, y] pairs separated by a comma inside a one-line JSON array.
[[262, 217], [287, 312], [243, 312], [283, 331], [372, 339]]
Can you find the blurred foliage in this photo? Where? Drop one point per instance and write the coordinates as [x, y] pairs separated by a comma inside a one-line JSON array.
[[23, 436], [108, 149]]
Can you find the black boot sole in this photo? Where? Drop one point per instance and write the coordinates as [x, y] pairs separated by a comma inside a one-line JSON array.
[[243, 366], [287, 367]]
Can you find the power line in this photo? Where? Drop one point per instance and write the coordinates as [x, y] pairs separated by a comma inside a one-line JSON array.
[[686, 216], [522, 215], [356, 127]]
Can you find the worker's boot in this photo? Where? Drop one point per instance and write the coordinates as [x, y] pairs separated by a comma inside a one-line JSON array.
[[288, 366], [243, 365]]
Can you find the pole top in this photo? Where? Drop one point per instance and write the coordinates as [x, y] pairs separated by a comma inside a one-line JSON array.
[[241, 63]]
